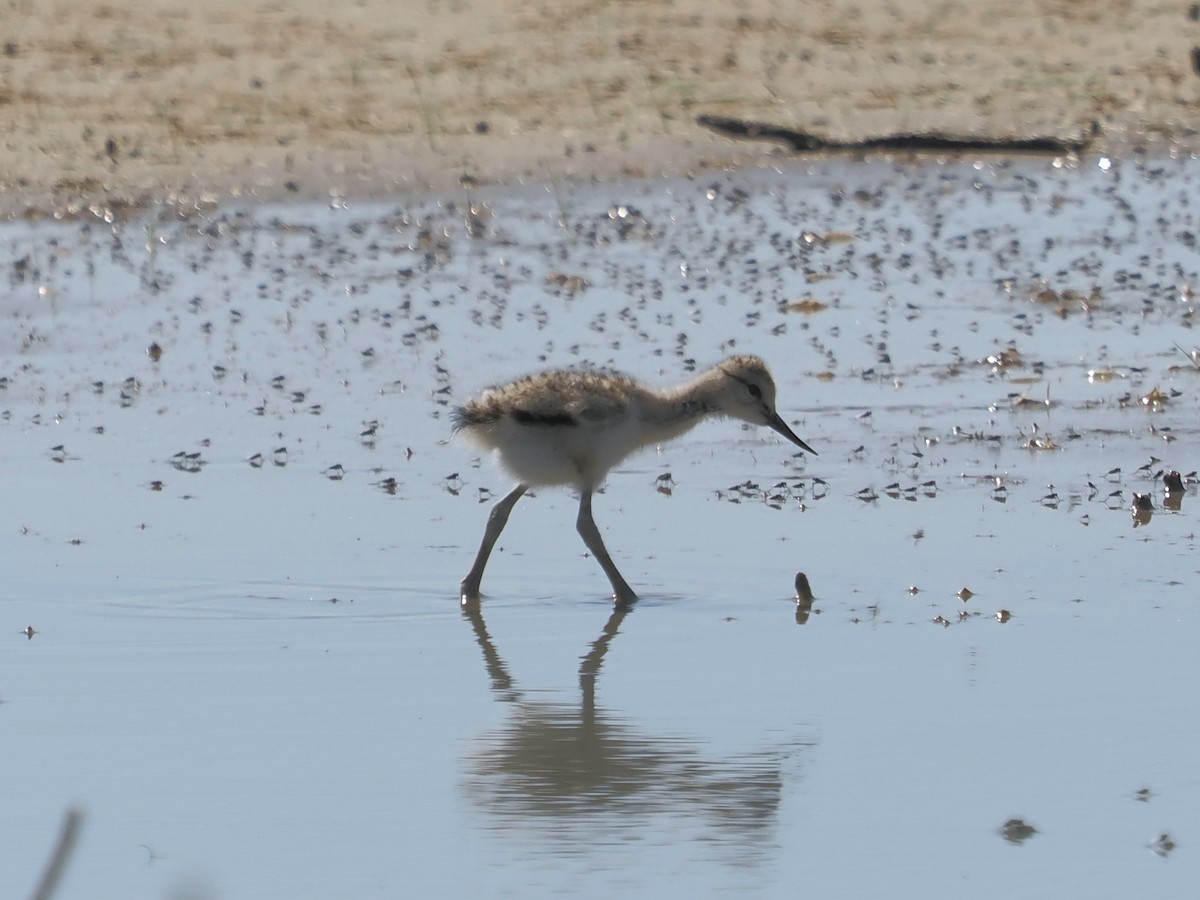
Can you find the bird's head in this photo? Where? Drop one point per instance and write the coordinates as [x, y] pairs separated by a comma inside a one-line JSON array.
[[745, 390]]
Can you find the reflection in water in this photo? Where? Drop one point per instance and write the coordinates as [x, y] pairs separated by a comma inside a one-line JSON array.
[[1017, 831], [804, 599], [804, 608], [579, 774]]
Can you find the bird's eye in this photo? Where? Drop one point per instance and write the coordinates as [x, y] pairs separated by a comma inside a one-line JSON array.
[[755, 391]]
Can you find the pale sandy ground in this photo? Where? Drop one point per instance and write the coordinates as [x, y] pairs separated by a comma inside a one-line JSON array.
[[162, 99]]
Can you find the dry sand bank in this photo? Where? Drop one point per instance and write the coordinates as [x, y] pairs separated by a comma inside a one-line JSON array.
[[147, 101]]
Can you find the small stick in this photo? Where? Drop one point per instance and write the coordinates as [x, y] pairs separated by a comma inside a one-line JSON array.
[[72, 822]]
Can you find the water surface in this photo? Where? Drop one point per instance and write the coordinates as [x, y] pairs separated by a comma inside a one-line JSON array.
[[248, 666]]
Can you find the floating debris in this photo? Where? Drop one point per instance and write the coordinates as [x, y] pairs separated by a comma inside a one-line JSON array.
[[570, 284], [1193, 358], [803, 591], [1017, 831], [1173, 491], [130, 388], [187, 462], [1024, 401], [804, 599], [980, 436], [1003, 360], [1142, 509], [1163, 845], [807, 306], [1067, 300], [866, 494], [1041, 443], [664, 484], [1154, 400]]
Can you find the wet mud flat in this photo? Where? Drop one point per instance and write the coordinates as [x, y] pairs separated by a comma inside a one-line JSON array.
[[235, 527]]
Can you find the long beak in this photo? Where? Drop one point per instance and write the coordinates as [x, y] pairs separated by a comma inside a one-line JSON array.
[[781, 426]]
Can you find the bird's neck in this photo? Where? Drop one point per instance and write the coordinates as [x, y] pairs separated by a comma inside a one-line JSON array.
[[674, 412]]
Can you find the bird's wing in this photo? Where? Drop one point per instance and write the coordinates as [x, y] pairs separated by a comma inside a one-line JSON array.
[[601, 409], [579, 399]]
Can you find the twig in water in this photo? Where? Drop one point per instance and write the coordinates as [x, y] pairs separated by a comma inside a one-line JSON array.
[[72, 822]]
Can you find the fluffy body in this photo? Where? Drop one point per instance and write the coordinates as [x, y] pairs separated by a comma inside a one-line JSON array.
[[570, 427]]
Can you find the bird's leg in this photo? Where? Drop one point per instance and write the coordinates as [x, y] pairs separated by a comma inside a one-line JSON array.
[[586, 526], [469, 589]]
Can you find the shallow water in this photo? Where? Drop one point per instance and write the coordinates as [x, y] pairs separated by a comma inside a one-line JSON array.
[[248, 667]]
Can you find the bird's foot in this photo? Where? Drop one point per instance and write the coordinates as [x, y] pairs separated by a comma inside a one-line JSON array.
[[468, 592], [624, 596]]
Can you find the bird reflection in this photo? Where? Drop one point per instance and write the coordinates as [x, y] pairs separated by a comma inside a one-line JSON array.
[[804, 599], [578, 773]]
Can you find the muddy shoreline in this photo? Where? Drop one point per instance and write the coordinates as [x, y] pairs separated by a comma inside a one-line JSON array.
[[170, 102]]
